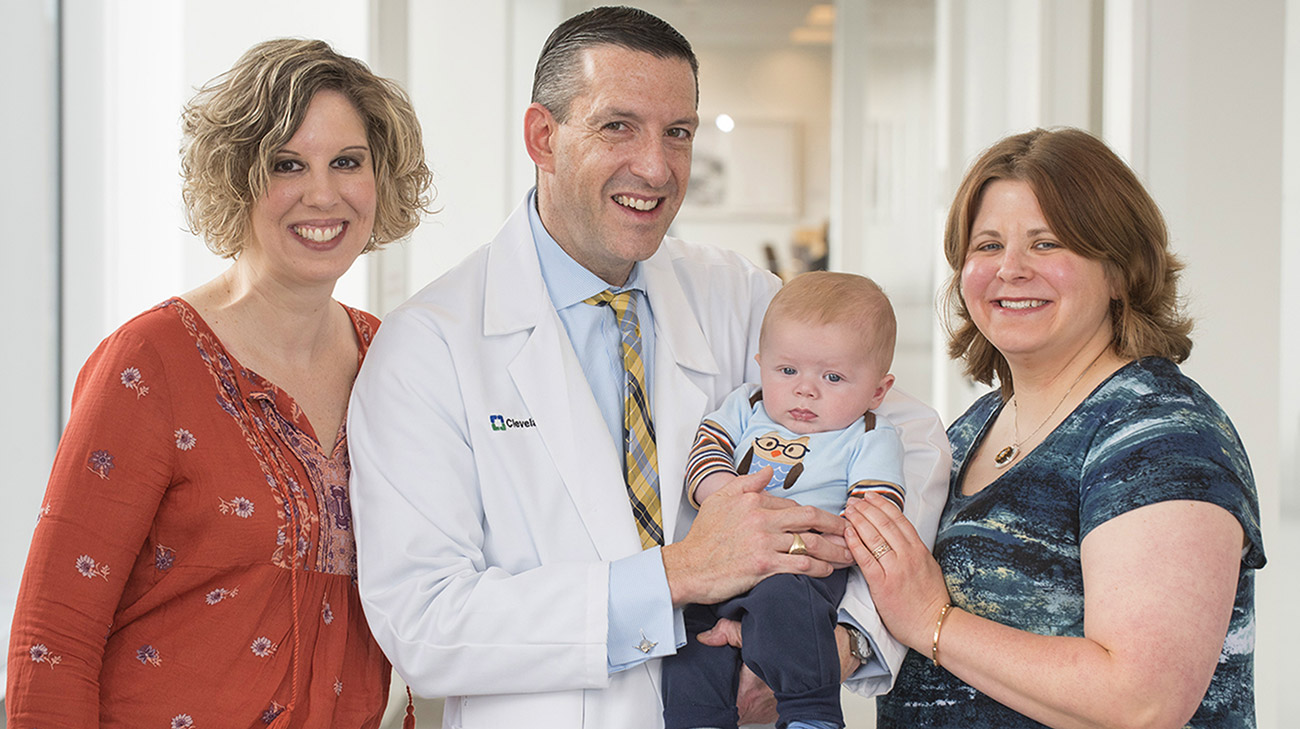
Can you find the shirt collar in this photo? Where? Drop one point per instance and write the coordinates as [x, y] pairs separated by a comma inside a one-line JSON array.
[[567, 281]]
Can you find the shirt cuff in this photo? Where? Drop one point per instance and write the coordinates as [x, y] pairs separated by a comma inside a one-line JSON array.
[[873, 667], [642, 622]]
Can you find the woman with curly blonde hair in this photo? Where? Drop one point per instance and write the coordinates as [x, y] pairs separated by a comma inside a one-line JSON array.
[[194, 563]]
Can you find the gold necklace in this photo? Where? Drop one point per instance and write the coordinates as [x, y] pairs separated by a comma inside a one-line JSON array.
[[1008, 453]]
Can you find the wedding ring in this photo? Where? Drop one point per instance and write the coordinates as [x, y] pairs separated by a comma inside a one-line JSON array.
[[797, 546], [879, 552]]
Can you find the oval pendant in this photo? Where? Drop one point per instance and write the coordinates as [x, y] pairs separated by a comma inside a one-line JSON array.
[[1005, 456]]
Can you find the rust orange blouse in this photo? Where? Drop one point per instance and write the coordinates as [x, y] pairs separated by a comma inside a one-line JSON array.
[[192, 566]]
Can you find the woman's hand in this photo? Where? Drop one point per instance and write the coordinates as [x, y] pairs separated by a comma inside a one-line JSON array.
[[906, 582]]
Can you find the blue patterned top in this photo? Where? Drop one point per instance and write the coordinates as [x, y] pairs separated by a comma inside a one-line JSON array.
[[1010, 552]]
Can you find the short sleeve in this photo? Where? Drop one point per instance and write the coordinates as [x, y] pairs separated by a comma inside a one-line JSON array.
[[734, 413], [1168, 446], [878, 457]]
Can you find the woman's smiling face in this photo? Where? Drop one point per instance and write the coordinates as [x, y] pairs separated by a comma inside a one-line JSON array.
[[319, 208], [1034, 299]]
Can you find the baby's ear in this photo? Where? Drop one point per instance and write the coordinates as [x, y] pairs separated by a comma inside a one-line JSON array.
[[758, 359], [882, 389]]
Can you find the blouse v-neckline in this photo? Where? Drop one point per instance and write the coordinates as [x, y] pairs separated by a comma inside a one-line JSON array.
[[958, 491], [255, 387]]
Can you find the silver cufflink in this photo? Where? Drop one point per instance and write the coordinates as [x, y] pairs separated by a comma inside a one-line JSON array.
[[646, 645]]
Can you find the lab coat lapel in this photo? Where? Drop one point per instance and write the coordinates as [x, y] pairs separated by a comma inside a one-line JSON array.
[[682, 358], [555, 391]]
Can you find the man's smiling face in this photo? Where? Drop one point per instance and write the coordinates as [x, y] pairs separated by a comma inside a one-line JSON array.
[[620, 162]]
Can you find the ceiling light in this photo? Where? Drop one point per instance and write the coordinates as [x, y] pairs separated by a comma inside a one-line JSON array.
[[820, 15]]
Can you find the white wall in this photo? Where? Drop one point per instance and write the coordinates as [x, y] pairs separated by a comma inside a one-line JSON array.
[[1276, 660], [470, 89], [1289, 326], [29, 429]]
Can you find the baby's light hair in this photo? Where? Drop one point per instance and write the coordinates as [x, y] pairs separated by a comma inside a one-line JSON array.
[[825, 297]]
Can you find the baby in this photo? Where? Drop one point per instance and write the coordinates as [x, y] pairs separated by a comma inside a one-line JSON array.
[[824, 351]]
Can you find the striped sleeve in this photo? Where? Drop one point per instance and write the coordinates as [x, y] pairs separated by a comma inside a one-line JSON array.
[[713, 452], [890, 491], [877, 464]]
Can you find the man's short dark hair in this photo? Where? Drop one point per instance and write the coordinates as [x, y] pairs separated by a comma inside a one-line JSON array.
[[559, 77]]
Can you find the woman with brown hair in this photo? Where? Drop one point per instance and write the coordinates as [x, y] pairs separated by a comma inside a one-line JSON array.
[[194, 564], [1095, 562]]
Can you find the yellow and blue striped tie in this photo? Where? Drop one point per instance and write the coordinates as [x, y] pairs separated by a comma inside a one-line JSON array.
[[641, 460]]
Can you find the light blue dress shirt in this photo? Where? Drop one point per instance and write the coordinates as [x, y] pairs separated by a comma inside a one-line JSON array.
[[640, 605]]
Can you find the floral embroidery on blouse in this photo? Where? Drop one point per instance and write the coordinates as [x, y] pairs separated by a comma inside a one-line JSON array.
[[132, 380], [88, 569], [239, 506], [269, 715], [163, 557], [100, 463], [316, 516], [263, 647], [219, 594], [310, 500], [148, 655], [185, 440], [41, 654]]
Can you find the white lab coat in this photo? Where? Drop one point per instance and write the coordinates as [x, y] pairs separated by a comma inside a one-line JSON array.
[[483, 553]]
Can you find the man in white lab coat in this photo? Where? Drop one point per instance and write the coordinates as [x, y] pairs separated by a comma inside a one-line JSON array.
[[498, 557]]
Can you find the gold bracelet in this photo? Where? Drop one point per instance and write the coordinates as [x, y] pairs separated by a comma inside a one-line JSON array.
[[934, 645]]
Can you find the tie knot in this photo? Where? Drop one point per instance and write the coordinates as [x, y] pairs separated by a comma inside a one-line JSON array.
[[618, 302]]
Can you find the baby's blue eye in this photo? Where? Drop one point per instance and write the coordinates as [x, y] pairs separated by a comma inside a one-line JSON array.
[[834, 377], [787, 370]]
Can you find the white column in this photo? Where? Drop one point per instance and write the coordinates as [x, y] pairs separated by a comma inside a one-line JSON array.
[[849, 160], [1283, 634], [468, 66], [86, 90], [389, 57], [1289, 330], [29, 361]]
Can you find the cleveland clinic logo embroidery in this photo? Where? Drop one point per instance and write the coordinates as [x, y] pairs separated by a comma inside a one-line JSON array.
[[500, 422]]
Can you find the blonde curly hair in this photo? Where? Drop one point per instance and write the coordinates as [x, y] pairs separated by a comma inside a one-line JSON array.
[[235, 124]]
